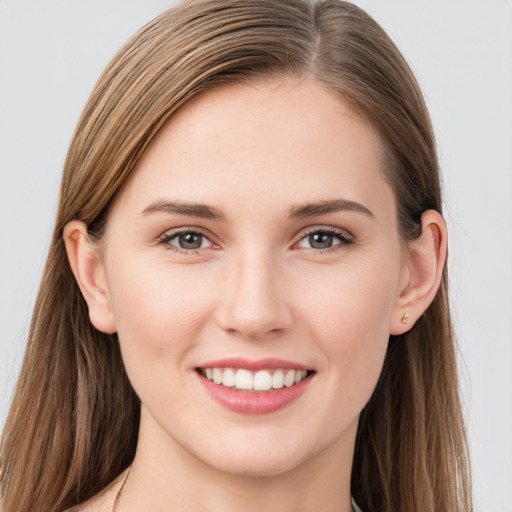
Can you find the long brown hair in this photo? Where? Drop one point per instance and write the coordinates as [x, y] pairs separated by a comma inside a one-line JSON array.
[[73, 424]]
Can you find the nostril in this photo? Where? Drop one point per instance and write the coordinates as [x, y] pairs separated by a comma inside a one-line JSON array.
[[253, 302], [256, 324]]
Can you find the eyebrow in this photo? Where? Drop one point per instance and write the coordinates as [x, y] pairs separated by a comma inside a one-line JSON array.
[[296, 212], [324, 207], [190, 209]]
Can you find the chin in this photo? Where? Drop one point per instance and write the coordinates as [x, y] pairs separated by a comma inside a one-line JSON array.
[[257, 467], [258, 457]]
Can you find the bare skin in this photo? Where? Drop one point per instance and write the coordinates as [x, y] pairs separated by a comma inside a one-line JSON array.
[[104, 501], [259, 160]]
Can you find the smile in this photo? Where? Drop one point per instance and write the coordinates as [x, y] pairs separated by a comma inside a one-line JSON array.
[[260, 381], [254, 386]]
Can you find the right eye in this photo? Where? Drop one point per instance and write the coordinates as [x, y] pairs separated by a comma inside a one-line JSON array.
[[186, 241]]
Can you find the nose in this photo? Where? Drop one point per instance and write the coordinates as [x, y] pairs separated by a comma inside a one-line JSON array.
[[254, 302]]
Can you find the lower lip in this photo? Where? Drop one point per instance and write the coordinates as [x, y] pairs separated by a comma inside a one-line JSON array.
[[246, 402]]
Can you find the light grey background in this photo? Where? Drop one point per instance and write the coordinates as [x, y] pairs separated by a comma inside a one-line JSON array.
[[52, 52]]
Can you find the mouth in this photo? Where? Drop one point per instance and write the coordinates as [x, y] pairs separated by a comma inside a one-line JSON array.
[[261, 381], [254, 386]]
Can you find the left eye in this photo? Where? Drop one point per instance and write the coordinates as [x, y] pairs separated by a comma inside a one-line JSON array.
[[323, 240], [187, 240]]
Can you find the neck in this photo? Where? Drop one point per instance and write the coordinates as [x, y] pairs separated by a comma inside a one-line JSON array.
[[174, 479]]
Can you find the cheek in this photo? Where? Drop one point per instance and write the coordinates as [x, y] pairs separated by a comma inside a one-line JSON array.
[[150, 295], [158, 316], [349, 319]]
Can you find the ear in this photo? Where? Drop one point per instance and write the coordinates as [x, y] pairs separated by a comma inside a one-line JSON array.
[[425, 261], [85, 260]]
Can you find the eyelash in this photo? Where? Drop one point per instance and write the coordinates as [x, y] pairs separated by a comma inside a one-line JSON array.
[[345, 239], [166, 238]]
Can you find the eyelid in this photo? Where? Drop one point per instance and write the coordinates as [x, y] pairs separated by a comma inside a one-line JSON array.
[[325, 229], [346, 238], [171, 234]]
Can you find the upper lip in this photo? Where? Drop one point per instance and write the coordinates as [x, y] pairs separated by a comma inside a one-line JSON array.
[[254, 364]]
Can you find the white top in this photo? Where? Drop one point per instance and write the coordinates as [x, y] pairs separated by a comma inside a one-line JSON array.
[[355, 506]]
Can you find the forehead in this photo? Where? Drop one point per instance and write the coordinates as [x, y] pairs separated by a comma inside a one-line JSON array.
[[280, 140]]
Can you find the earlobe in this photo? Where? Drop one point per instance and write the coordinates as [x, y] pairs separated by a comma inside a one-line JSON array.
[[426, 258], [85, 261]]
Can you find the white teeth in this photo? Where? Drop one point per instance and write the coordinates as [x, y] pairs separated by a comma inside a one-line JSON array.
[[262, 380], [278, 379], [243, 379], [228, 379], [217, 376], [299, 375], [289, 378]]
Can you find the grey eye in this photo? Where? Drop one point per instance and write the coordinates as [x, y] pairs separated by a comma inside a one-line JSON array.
[[186, 241], [321, 240], [190, 240]]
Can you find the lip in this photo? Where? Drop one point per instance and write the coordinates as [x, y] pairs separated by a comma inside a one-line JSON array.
[[250, 402], [254, 364]]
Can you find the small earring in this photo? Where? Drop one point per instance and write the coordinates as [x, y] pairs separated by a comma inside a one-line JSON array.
[[405, 318]]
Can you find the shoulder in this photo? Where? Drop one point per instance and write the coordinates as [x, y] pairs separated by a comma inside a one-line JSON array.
[[103, 501], [98, 503]]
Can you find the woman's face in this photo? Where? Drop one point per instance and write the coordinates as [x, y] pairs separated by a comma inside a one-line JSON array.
[[255, 243]]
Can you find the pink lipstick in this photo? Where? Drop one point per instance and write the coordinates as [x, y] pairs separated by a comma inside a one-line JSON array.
[[254, 386]]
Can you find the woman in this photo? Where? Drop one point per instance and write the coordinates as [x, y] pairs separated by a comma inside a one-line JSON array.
[[245, 300]]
